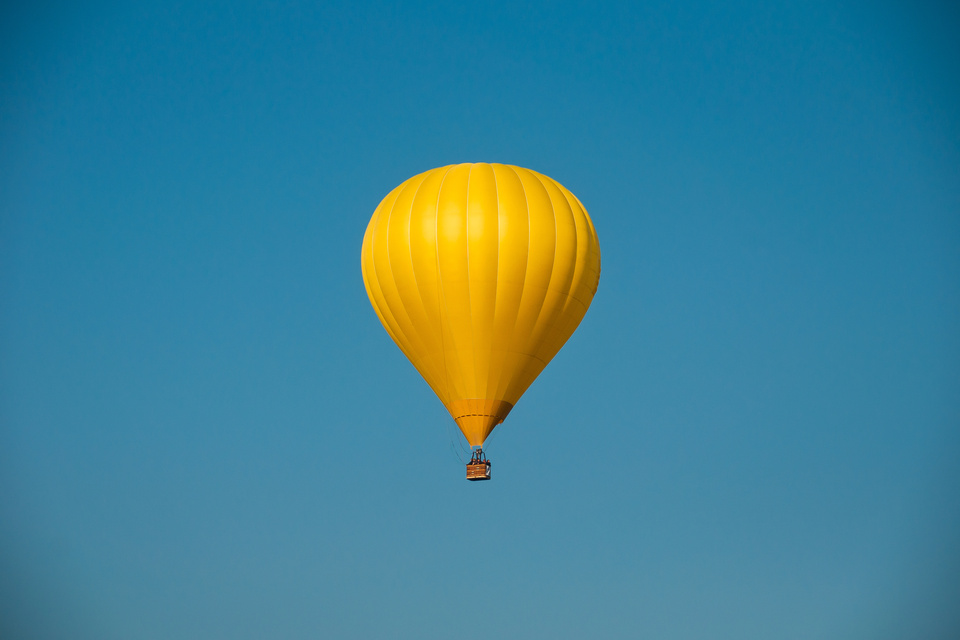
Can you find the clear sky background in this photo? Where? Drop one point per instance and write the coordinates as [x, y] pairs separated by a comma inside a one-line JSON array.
[[207, 434]]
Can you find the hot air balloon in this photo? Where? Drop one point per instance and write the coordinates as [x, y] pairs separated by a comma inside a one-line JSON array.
[[480, 273]]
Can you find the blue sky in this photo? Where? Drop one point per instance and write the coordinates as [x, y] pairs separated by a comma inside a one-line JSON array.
[[206, 433]]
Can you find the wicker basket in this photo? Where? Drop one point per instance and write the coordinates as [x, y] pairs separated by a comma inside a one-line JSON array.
[[479, 471]]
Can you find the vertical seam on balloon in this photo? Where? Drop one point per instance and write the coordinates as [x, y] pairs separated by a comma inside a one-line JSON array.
[[394, 331], [410, 344], [375, 281], [595, 241], [553, 267], [502, 379], [563, 317], [441, 296], [371, 285], [526, 271], [496, 287], [576, 234], [466, 227]]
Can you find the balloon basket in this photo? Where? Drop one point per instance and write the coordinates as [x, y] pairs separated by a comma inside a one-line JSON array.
[[479, 467]]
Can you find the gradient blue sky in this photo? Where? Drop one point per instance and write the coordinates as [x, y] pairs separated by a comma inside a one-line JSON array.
[[207, 434]]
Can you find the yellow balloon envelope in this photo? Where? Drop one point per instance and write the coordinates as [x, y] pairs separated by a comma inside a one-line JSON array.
[[480, 273]]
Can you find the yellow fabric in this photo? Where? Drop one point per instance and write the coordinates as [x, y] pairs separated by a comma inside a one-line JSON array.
[[480, 273]]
